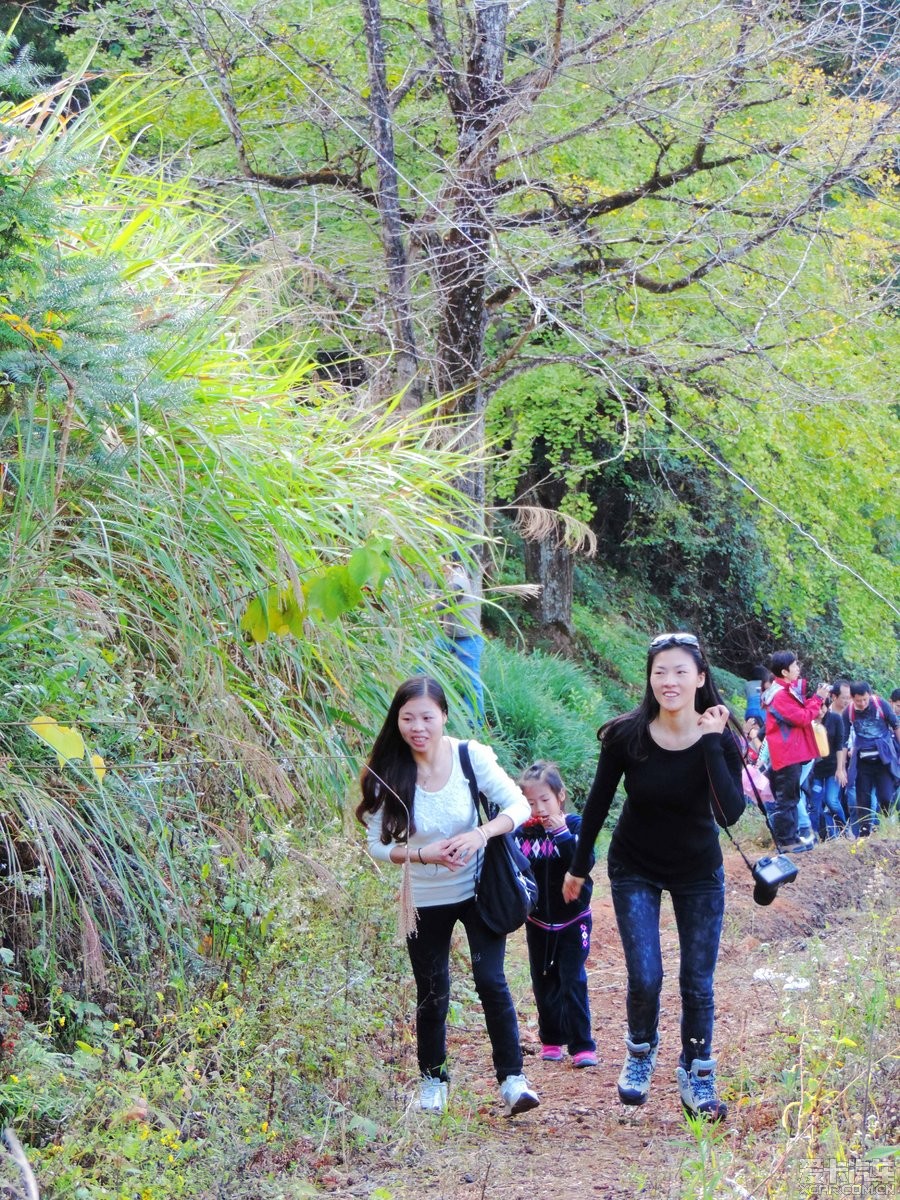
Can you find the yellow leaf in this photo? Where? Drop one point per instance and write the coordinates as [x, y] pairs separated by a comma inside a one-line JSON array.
[[254, 621], [99, 766], [273, 616], [65, 740], [53, 338]]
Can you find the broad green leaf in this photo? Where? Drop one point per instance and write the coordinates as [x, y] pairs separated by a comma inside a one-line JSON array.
[[255, 620], [333, 593], [364, 565]]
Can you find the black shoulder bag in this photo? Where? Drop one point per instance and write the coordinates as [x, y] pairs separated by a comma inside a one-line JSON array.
[[505, 887]]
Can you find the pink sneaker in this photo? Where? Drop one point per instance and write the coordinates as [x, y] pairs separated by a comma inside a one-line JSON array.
[[584, 1058], [552, 1053]]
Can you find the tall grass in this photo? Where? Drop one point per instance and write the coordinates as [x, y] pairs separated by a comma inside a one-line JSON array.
[[162, 472], [543, 706]]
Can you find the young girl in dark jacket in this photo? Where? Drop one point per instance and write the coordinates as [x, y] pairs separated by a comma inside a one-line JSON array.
[[558, 932]]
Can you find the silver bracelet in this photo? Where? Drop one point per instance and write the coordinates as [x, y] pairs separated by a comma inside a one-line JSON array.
[[480, 829]]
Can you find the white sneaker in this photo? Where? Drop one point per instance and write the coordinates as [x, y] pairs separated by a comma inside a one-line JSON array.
[[518, 1095], [432, 1094]]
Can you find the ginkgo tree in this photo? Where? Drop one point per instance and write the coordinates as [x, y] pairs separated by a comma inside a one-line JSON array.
[[685, 204]]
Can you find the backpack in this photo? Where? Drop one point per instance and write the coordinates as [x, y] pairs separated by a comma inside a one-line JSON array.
[[505, 888], [893, 749]]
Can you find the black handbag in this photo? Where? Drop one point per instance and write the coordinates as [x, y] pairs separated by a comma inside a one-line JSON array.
[[505, 887]]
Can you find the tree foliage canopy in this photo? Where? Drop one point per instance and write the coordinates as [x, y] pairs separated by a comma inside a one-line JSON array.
[[643, 230], [656, 241]]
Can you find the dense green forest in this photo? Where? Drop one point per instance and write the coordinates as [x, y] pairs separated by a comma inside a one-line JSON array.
[[296, 299]]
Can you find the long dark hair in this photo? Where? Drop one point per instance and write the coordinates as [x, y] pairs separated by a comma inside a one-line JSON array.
[[388, 780], [632, 727]]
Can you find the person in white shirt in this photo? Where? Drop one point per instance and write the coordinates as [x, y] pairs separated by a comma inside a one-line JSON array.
[[418, 810]]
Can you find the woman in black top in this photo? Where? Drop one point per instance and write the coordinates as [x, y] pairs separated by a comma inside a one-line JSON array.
[[681, 765]]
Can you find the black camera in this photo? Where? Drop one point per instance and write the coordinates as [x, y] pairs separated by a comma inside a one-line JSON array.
[[769, 874]]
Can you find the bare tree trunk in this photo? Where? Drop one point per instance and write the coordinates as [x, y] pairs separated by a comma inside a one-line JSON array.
[[553, 566], [461, 260], [548, 561], [389, 207]]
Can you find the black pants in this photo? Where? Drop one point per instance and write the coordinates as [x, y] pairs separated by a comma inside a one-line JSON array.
[[559, 980], [872, 775], [429, 953], [785, 784]]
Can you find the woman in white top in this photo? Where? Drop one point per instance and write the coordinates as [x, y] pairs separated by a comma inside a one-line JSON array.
[[416, 802]]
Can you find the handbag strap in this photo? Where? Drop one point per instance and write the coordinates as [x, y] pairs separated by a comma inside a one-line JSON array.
[[465, 761]]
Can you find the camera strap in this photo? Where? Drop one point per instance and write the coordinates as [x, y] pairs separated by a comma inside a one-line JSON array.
[[737, 844], [762, 808], [759, 804]]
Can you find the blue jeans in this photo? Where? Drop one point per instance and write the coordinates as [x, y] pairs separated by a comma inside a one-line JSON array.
[[825, 804], [468, 651], [557, 959], [699, 908], [429, 953], [805, 827]]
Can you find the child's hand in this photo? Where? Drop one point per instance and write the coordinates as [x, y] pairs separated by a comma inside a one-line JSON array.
[[571, 888]]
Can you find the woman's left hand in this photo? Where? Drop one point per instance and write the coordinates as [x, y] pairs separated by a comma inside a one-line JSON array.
[[714, 719], [464, 846], [571, 888]]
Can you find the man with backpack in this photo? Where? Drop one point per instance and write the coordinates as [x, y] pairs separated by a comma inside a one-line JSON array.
[[873, 762]]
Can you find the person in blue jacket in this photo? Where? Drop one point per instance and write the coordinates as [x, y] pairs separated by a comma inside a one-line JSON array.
[[558, 932]]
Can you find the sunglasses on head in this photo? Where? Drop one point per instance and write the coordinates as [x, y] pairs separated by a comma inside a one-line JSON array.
[[675, 639]]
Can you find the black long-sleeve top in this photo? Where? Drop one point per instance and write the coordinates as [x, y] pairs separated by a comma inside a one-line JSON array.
[[673, 801]]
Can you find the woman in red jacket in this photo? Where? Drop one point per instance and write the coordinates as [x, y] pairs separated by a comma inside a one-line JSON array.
[[790, 740]]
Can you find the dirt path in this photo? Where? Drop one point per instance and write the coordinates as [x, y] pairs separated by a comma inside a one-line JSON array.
[[582, 1141]]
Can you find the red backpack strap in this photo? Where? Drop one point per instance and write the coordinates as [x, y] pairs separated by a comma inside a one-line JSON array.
[[879, 708]]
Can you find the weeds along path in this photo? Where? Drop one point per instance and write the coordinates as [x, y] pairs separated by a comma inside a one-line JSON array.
[[582, 1141]]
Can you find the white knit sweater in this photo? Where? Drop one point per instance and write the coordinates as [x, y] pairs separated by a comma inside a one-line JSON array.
[[445, 813]]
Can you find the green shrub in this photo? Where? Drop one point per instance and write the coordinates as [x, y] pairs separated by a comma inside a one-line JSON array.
[[542, 706]]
